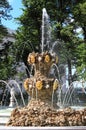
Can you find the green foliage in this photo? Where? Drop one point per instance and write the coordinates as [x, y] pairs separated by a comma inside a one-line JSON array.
[[7, 68], [5, 10], [81, 62], [79, 13], [7, 63], [4, 14], [66, 17], [3, 32]]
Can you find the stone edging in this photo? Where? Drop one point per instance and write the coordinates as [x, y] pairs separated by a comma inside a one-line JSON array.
[[44, 128]]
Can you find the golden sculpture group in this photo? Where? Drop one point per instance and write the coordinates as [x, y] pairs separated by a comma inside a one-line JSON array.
[[40, 85]]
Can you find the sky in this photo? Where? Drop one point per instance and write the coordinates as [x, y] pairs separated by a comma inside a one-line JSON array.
[[16, 12]]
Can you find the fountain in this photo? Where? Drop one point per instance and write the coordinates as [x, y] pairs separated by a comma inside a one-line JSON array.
[[42, 110]]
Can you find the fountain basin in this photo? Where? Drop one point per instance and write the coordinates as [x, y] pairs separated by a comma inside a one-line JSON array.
[[38, 113], [78, 107], [5, 113], [44, 128]]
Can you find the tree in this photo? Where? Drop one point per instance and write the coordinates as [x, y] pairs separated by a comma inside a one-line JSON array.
[[79, 13], [7, 62], [4, 10], [4, 14], [72, 17], [6, 59], [3, 32]]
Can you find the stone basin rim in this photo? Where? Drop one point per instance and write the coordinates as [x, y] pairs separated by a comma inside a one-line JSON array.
[[44, 128]]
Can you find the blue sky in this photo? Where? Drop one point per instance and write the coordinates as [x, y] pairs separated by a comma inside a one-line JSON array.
[[16, 12]]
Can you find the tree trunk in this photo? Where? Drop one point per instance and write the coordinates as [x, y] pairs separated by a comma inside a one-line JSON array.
[[84, 32], [69, 71]]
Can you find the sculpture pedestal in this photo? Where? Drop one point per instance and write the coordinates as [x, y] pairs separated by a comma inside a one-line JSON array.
[[12, 102]]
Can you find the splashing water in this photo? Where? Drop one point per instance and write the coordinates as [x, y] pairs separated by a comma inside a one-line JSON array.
[[57, 69], [46, 31], [71, 93], [7, 85], [11, 85], [68, 95], [14, 82]]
